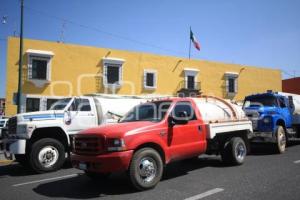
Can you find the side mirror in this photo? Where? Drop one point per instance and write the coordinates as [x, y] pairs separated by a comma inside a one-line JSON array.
[[67, 117], [171, 121]]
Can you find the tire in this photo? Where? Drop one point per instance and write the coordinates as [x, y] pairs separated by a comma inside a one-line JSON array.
[[298, 131], [97, 176], [22, 159], [280, 140], [146, 169], [234, 151], [47, 155]]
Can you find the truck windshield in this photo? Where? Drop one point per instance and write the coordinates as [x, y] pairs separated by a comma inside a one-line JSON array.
[[60, 104], [260, 101], [151, 111]]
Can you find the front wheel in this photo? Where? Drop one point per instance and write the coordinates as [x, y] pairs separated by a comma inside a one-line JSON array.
[[234, 151], [280, 139], [146, 169], [47, 155]]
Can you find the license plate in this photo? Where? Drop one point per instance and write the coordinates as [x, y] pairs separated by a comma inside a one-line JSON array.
[[82, 166]]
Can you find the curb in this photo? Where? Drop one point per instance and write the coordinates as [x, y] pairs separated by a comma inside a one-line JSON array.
[[6, 161]]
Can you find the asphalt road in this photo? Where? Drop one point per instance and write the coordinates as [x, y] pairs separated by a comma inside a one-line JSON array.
[[264, 175]]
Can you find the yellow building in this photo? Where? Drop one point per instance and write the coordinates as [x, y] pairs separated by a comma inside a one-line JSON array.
[[52, 70]]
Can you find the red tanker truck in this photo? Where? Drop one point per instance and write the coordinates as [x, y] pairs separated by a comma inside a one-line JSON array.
[[156, 133]]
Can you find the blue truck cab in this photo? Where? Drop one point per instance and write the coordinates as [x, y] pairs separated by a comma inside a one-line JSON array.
[[272, 116]]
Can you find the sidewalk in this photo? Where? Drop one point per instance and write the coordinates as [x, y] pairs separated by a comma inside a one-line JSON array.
[[3, 160]]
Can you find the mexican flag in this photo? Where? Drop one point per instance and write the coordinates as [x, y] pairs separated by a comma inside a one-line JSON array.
[[194, 40]]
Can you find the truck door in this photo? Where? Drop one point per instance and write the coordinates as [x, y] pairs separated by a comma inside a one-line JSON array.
[[285, 111], [82, 116], [188, 139]]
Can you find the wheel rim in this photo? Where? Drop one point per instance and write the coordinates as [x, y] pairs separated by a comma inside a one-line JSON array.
[[147, 169], [240, 151], [48, 156], [281, 140]]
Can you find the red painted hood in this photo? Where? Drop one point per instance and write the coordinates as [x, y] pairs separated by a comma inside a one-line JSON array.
[[118, 130]]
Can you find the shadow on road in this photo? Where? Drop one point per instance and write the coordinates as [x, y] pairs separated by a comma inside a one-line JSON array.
[[15, 169], [184, 167], [293, 143], [262, 149], [81, 187]]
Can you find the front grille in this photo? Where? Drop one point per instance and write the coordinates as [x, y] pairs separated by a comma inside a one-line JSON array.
[[253, 115], [91, 145], [12, 125], [254, 124]]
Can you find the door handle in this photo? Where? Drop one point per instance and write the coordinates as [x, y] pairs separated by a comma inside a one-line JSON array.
[[162, 133], [200, 129]]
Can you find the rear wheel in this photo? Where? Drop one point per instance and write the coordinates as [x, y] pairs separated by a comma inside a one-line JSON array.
[[47, 155], [298, 131], [234, 151], [146, 169], [280, 139]]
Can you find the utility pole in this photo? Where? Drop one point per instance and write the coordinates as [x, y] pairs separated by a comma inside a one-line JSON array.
[[190, 43], [19, 95]]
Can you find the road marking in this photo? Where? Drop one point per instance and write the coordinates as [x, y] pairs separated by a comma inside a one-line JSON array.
[[297, 162], [205, 194], [43, 180]]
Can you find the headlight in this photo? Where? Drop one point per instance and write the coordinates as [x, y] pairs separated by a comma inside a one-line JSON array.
[[25, 129], [72, 140], [115, 144], [22, 129], [267, 120]]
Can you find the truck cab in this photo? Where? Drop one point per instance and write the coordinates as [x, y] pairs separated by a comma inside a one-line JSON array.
[[272, 118]]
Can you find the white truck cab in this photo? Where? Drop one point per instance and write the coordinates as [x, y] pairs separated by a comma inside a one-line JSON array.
[[42, 139]]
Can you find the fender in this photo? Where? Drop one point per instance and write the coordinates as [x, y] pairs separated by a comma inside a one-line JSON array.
[[46, 132], [276, 119], [149, 138]]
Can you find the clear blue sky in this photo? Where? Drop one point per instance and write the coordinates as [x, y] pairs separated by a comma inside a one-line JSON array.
[[252, 32]]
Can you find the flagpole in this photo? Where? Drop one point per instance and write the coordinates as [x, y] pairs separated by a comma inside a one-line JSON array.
[[190, 44]]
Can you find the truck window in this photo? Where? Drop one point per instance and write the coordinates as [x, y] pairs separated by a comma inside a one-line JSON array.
[[84, 105], [50, 102], [74, 105], [80, 105], [60, 104], [32, 104], [258, 101], [184, 106], [282, 103], [151, 111]]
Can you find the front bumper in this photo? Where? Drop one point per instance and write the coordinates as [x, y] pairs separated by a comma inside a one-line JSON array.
[[263, 137], [105, 163], [13, 146]]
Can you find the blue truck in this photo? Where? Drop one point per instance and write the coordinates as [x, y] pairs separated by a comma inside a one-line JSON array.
[[275, 117]]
